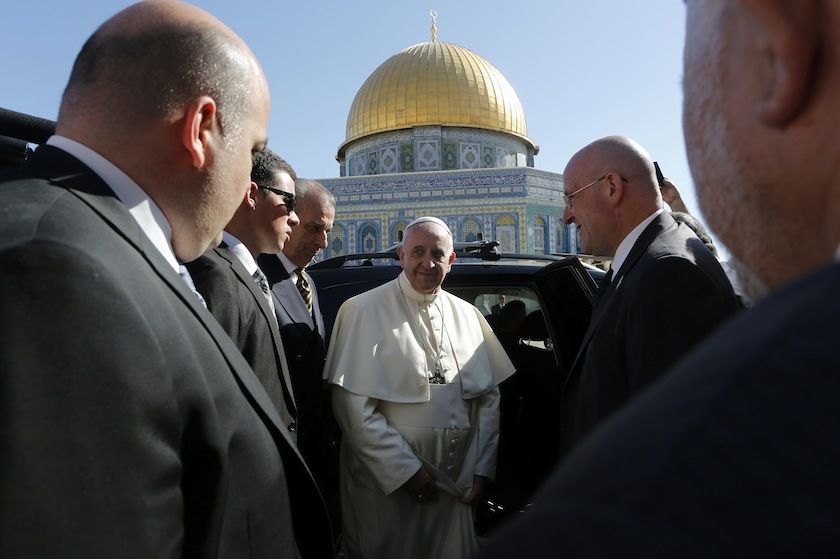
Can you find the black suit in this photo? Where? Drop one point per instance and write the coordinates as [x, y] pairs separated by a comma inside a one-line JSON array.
[[668, 295], [732, 454], [130, 425], [239, 305], [303, 338]]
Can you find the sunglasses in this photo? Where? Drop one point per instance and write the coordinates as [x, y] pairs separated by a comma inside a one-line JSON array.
[[288, 197]]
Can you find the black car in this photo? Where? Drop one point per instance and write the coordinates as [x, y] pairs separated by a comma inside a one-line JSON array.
[[557, 295]]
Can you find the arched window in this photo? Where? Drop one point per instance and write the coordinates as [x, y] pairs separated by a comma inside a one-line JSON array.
[[470, 230], [506, 233], [539, 235], [368, 238], [397, 232], [560, 239]]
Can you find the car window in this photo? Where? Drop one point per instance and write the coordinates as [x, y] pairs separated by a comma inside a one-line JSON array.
[[514, 313]]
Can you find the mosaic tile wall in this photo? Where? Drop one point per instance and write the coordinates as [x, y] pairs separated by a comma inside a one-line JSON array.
[[520, 207], [433, 148]]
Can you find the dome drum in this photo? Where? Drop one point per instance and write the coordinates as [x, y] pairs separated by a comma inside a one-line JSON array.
[[434, 148]]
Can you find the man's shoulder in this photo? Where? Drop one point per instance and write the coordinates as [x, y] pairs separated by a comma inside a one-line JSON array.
[[213, 274], [360, 307]]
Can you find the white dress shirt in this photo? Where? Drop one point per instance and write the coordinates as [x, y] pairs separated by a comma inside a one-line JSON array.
[[623, 250]]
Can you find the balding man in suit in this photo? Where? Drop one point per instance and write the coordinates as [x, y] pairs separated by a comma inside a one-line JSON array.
[[666, 291], [734, 452], [131, 426]]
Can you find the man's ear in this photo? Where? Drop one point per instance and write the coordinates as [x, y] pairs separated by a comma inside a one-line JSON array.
[[250, 199], [452, 258], [199, 126], [614, 188], [788, 38]]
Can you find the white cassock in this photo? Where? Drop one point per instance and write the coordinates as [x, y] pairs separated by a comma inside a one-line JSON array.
[[385, 345]]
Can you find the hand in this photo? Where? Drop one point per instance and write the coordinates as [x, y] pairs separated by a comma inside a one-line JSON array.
[[477, 489], [422, 485], [671, 196]]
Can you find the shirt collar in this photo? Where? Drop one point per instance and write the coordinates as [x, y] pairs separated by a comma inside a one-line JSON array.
[[623, 250], [288, 265], [143, 209], [414, 295], [241, 251]]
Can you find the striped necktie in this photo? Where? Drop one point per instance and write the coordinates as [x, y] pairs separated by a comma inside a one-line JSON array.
[[303, 288]]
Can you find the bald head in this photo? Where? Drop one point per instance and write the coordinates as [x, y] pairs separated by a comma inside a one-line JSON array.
[[624, 156], [610, 188], [146, 61], [174, 99]]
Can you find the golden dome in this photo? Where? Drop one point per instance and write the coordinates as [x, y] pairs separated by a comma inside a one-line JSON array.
[[435, 84]]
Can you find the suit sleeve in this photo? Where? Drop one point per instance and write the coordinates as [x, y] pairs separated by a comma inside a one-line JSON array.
[[675, 309], [89, 429]]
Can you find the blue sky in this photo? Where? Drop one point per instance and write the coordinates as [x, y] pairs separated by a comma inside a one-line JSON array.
[[583, 69]]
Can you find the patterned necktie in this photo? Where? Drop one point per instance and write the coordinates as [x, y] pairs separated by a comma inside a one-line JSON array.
[[305, 291], [262, 281], [185, 275]]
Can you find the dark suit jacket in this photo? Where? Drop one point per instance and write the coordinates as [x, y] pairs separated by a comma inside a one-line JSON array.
[[130, 425], [239, 305], [303, 338], [732, 454], [669, 294], [302, 335]]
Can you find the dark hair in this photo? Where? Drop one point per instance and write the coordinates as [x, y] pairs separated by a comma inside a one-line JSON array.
[[151, 73], [265, 165], [694, 224]]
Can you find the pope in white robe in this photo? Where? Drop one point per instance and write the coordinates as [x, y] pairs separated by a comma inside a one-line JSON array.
[[416, 373]]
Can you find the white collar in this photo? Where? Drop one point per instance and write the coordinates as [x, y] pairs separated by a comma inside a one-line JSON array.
[[143, 209], [288, 265], [414, 295], [241, 251], [623, 250]]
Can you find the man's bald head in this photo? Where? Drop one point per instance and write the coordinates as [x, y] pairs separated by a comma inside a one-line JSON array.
[[610, 188], [623, 155], [150, 58], [178, 102]]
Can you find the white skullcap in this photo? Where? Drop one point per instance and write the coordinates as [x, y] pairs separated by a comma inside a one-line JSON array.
[[429, 219]]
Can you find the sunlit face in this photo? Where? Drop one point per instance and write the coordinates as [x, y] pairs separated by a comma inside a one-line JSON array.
[[272, 218], [228, 172], [586, 212], [310, 235], [426, 255]]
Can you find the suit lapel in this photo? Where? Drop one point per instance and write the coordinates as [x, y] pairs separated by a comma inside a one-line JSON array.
[[246, 279], [68, 172], [292, 303], [655, 228]]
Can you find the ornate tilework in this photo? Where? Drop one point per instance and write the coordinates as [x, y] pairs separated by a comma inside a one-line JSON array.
[[469, 158], [488, 158], [359, 165], [388, 160], [427, 156], [372, 163], [450, 156], [406, 157]]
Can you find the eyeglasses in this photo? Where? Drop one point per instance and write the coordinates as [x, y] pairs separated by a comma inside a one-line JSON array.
[[288, 197], [570, 198]]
